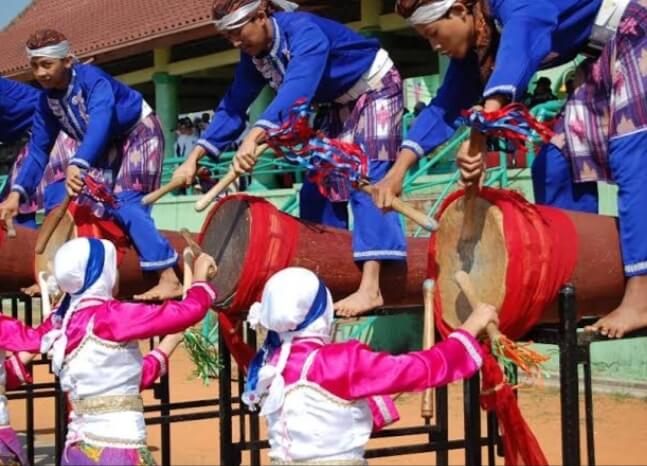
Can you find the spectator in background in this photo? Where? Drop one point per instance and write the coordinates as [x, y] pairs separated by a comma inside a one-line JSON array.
[[186, 138], [197, 128], [543, 92], [570, 87], [205, 121]]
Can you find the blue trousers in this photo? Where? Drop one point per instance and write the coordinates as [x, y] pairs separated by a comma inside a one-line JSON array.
[[553, 185], [376, 235], [155, 252]]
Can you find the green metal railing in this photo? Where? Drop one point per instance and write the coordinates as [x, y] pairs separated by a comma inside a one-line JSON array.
[[435, 173]]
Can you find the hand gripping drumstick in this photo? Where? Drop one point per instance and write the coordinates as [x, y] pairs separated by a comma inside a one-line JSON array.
[[188, 257], [415, 215], [48, 228], [154, 196], [196, 250], [429, 330], [469, 201], [224, 183], [466, 286]]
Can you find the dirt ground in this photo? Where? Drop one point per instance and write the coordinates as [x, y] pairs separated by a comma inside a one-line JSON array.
[[620, 425]]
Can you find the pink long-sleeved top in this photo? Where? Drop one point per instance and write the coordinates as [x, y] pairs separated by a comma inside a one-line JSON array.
[[118, 322], [352, 371]]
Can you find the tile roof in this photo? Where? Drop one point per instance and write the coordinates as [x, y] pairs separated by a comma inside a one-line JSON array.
[[99, 26]]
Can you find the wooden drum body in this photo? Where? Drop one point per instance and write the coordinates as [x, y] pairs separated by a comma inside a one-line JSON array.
[[251, 240], [20, 266], [550, 247]]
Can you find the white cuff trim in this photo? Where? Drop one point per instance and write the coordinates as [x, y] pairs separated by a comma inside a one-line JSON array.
[[20, 190], [473, 352], [266, 124], [384, 410], [79, 163], [210, 147], [637, 267], [17, 369], [154, 265], [207, 288], [383, 252], [504, 89], [161, 358], [414, 146]]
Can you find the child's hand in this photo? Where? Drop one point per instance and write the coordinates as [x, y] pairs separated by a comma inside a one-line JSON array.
[[205, 268], [483, 315]]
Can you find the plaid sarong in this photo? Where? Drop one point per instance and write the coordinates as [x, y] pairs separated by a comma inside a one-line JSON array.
[[374, 121], [610, 99]]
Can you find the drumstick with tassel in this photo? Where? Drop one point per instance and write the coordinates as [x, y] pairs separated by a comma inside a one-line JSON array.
[[507, 350]]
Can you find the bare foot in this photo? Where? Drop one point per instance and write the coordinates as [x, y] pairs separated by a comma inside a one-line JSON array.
[[32, 291], [631, 315], [169, 287], [358, 303]]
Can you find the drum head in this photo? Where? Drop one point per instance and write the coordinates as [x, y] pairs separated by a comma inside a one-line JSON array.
[[64, 232], [226, 238], [484, 258]]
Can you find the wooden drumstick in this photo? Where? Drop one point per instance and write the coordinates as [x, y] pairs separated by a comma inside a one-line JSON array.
[[469, 201], [187, 280], [196, 250], [48, 229], [224, 183], [428, 337], [46, 305], [154, 196], [467, 287], [408, 211]]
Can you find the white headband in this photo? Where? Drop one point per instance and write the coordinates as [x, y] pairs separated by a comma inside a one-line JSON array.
[[60, 50], [241, 16], [431, 12]]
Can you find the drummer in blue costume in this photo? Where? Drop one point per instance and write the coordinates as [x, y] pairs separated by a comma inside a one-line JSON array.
[[303, 56], [121, 144], [495, 47]]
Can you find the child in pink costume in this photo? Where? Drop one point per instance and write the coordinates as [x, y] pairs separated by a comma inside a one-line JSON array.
[[322, 400], [92, 340]]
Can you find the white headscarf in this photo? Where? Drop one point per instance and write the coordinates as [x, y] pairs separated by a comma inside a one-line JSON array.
[[288, 298], [72, 265], [238, 18], [60, 50], [430, 12]]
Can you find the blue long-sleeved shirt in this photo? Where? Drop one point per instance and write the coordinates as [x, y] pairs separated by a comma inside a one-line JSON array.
[[311, 57], [95, 109], [533, 34], [17, 105]]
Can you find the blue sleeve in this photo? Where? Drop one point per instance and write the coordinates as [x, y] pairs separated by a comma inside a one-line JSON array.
[[439, 120], [526, 39], [44, 130], [101, 112], [229, 118], [309, 49]]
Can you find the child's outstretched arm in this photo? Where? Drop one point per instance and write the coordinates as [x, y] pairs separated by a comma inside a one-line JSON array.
[[122, 322], [353, 371]]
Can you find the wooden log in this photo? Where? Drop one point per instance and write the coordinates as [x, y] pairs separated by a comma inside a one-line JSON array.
[[20, 266], [237, 224], [597, 276]]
